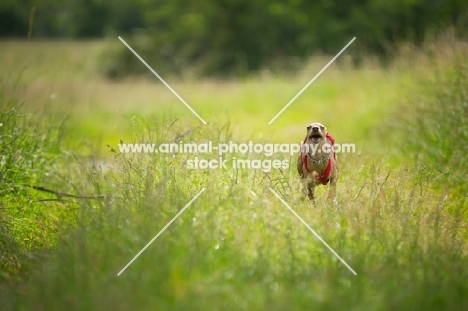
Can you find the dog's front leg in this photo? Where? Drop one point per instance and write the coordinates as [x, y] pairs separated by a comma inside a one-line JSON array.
[[308, 188], [332, 191], [311, 191], [305, 186]]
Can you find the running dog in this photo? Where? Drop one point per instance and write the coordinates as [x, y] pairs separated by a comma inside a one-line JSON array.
[[318, 162]]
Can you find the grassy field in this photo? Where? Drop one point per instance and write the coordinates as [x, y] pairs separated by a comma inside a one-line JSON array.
[[401, 221]]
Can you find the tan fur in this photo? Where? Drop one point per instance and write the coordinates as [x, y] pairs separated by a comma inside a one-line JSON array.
[[310, 180]]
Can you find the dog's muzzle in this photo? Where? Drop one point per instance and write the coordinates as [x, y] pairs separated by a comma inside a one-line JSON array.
[[316, 137]]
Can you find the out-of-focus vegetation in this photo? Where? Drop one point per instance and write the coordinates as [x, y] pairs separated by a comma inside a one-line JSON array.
[[74, 211], [220, 37], [401, 220], [35, 185], [433, 127]]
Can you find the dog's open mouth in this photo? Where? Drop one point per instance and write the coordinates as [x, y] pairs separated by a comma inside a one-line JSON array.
[[316, 137]]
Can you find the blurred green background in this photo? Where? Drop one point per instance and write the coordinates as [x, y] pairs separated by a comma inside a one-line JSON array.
[[226, 37], [74, 210]]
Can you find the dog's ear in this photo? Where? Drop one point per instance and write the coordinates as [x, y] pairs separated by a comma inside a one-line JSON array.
[[324, 128]]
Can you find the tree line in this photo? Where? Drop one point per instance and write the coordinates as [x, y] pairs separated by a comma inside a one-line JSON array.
[[226, 36]]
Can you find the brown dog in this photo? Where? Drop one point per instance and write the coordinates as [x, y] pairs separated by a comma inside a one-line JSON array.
[[318, 162]]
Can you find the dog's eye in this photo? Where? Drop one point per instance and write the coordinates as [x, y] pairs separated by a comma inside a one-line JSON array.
[[322, 127], [309, 127]]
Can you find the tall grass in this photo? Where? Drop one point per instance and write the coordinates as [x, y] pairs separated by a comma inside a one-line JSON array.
[[34, 184], [431, 123], [26, 157], [235, 250], [237, 247]]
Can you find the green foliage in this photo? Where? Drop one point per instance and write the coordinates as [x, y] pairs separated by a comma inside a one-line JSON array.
[[13, 21], [433, 125], [232, 37], [235, 250], [29, 150], [237, 247], [236, 37]]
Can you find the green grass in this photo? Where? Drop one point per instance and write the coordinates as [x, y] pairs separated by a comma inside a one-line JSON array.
[[102, 108], [237, 247]]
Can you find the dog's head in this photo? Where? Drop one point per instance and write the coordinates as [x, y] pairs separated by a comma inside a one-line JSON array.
[[316, 132]]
